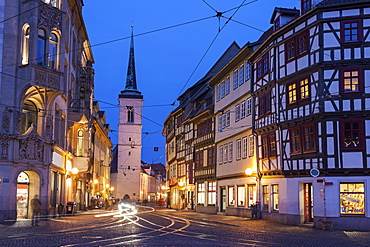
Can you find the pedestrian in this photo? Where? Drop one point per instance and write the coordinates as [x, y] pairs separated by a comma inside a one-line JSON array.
[[35, 205]]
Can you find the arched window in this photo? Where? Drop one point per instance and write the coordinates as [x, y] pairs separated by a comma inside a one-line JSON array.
[[25, 44], [53, 51], [41, 48], [130, 114], [29, 115], [80, 142]]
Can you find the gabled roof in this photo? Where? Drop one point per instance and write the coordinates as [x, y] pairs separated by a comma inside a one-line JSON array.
[[284, 12]]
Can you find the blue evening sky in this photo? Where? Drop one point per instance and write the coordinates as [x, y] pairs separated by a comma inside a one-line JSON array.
[[167, 53]]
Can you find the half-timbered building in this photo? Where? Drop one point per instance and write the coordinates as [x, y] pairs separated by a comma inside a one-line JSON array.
[[311, 88]]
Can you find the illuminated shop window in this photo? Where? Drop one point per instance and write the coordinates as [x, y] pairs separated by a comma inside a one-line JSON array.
[[352, 198]]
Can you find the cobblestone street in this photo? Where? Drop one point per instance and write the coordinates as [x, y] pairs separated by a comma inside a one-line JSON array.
[[169, 228]]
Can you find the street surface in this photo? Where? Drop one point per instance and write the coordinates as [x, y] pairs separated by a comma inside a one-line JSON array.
[[167, 227]]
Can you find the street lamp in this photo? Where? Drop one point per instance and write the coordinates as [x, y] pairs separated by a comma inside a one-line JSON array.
[[74, 171]]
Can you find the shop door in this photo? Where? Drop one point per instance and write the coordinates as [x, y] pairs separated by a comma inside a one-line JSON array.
[[308, 202], [22, 195], [223, 200]]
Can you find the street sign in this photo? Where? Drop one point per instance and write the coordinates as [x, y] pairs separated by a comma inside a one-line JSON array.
[[314, 172]]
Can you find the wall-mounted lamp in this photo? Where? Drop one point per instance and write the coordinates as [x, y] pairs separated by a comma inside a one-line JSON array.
[[74, 171]]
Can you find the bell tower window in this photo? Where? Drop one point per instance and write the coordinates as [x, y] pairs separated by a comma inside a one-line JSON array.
[[130, 114]]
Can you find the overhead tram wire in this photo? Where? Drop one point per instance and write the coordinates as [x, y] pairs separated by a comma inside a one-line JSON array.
[[209, 47], [242, 5], [120, 39], [255, 28], [7, 19]]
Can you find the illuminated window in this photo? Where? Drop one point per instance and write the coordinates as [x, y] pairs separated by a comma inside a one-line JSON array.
[[298, 91], [80, 142], [351, 80], [54, 3], [251, 145], [275, 197], [231, 196], [241, 196], [265, 198], [292, 93], [252, 195], [352, 198], [25, 44], [201, 192], [211, 193], [29, 115]]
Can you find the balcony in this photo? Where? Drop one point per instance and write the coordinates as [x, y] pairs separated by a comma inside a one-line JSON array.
[[209, 137], [81, 163]]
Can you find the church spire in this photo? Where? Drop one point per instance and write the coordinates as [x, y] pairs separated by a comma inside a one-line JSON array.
[[131, 85]]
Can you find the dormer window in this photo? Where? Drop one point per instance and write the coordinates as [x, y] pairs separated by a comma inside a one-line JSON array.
[[306, 5], [277, 23]]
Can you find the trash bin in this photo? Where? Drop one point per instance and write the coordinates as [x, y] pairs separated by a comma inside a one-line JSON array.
[[71, 208], [60, 209], [254, 211]]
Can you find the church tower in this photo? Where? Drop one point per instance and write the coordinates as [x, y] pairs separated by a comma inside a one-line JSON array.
[[127, 178]]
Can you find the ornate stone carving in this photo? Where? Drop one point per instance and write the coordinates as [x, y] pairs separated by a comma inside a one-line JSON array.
[[18, 122], [4, 141], [46, 79], [6, 120], [40, 77], [49, 128], [52, 80], [32, 147], [49, 18]]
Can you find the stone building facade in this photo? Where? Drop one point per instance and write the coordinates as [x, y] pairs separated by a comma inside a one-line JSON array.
[[46, 96]]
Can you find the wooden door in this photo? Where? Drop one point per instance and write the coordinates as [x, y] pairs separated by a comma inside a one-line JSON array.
[[308, 202]]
